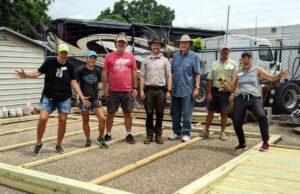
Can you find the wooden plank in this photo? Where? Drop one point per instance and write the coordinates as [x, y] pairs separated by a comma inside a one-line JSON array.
[[33, 142], [72, 153], [200, 129], [285, 146], [206, 182], [140, 163], [30, 128], [18, 119], [40, 182]]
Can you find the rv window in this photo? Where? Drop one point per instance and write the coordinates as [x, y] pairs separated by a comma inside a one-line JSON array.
[[265, 54]]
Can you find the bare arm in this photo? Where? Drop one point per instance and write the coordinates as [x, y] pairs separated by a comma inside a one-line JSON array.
[[22, 74], [169, 85], [135, 82], [266, 75], [76, 87], [142, 82], [134, 78], [197, 85], [78, 91], [104, 80]]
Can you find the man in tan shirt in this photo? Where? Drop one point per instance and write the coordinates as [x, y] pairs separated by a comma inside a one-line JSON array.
[[155, 88]]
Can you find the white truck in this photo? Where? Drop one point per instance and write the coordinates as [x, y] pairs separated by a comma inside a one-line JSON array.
[[283, 96]]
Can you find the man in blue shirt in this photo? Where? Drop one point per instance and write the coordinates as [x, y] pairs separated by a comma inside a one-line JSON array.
[[185, 87]]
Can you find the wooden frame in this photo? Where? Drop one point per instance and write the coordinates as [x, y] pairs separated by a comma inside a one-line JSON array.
[[205, 183], [40, 182]]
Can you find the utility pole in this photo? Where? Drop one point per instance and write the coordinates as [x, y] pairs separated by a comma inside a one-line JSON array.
[[226, 33], [255, 29]]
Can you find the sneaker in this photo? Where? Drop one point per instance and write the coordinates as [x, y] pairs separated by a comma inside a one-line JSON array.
[[222, 136], [101, 143], [129, 139], [59, 149], [185, 138], [37, 150], [107, 137], [240, 147], [88, 143], [264, 147], [148, 140], [174, 136], [205, 134]]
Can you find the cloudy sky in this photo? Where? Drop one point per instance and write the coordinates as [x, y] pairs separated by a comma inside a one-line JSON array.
[[207, 14]]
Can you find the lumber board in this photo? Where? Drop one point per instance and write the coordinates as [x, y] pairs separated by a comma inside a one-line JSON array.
[[200, 129], [285, 146], [33, 142], [31, 128], [206, 182], [140, 163], [72, 153], [18, 119], [40, 182]]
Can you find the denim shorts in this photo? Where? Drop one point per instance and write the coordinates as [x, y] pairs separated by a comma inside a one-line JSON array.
[[94, 104], [63, 106]]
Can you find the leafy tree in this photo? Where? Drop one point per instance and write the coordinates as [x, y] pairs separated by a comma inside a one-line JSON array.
[[198, 44], [107, 15], [25, 16], [141, 11]]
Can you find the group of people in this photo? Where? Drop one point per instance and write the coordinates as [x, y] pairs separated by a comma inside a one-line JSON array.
[[160, 80]]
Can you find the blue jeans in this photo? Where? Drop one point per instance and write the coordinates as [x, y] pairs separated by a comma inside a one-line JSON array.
[[63, 106], [182, 107]]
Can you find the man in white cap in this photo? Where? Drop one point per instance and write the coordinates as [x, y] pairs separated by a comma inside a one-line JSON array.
[[186, 71], [59, 77], [119, 78], [218, 92]]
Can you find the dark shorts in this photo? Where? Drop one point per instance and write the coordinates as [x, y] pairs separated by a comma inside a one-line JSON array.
[[116, 98], [220, 101], [94, 104]]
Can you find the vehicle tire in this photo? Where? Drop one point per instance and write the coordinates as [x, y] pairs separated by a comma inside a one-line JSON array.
[[286, 98], [201, 100]]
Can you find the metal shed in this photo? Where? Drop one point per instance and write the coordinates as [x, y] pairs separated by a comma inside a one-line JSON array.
[[19, 52]]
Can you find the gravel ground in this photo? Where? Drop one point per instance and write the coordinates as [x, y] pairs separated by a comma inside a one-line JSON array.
[[174, 171], [165, 175]]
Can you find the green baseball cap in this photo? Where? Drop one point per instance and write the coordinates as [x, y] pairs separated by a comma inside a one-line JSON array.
[[62, 47]]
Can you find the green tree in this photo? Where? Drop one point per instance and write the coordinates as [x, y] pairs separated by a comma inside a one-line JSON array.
[[141, 11], [107, 15], [27, 17], [198, 44]]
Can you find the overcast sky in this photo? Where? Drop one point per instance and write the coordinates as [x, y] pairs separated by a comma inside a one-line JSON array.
[[207, 14]]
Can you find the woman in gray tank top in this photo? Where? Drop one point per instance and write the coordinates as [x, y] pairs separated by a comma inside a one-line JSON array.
[[247, 96]]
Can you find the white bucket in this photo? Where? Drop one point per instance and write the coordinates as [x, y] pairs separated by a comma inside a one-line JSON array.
[[5, 112], [19, 112], [12, 113]]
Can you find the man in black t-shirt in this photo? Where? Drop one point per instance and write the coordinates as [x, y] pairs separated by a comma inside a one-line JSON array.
[[88, 78], [59, 77]]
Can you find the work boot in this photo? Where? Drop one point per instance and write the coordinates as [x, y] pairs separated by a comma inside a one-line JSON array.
[[159, 140], [148, 140]]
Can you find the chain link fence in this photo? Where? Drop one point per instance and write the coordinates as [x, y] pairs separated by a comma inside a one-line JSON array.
[[283, 96]]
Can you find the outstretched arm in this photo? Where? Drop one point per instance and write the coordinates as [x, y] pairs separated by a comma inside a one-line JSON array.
[[266, 75], [22, 74]]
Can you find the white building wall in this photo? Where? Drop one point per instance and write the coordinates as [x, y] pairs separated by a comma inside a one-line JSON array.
[[19, 53]]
